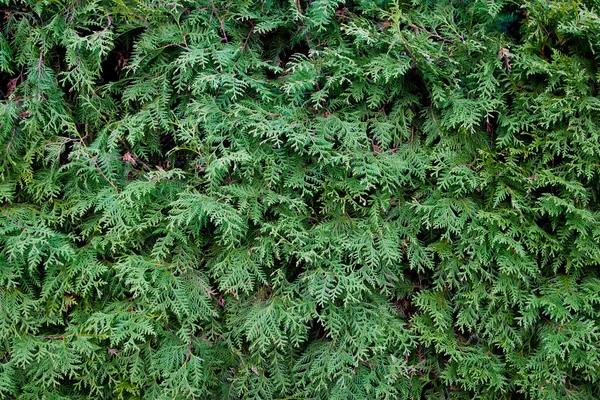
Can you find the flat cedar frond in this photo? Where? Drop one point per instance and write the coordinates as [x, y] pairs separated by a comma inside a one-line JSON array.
[[299, 199]]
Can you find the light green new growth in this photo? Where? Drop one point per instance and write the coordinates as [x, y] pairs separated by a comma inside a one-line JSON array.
[[326, 199]]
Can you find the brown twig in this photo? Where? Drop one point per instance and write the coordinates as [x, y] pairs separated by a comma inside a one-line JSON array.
[[13, 221], [104, 176], [60, 337], [221, 21], [248, 37]]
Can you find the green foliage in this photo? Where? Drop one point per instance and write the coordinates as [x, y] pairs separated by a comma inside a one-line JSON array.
[[298, 199]]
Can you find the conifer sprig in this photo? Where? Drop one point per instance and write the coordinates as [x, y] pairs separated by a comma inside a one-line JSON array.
[[299, 199]]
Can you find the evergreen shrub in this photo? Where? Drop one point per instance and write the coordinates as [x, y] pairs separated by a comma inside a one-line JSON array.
[[294, 199]]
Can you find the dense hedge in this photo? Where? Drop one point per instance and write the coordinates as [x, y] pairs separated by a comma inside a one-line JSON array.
[[299, 199]]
